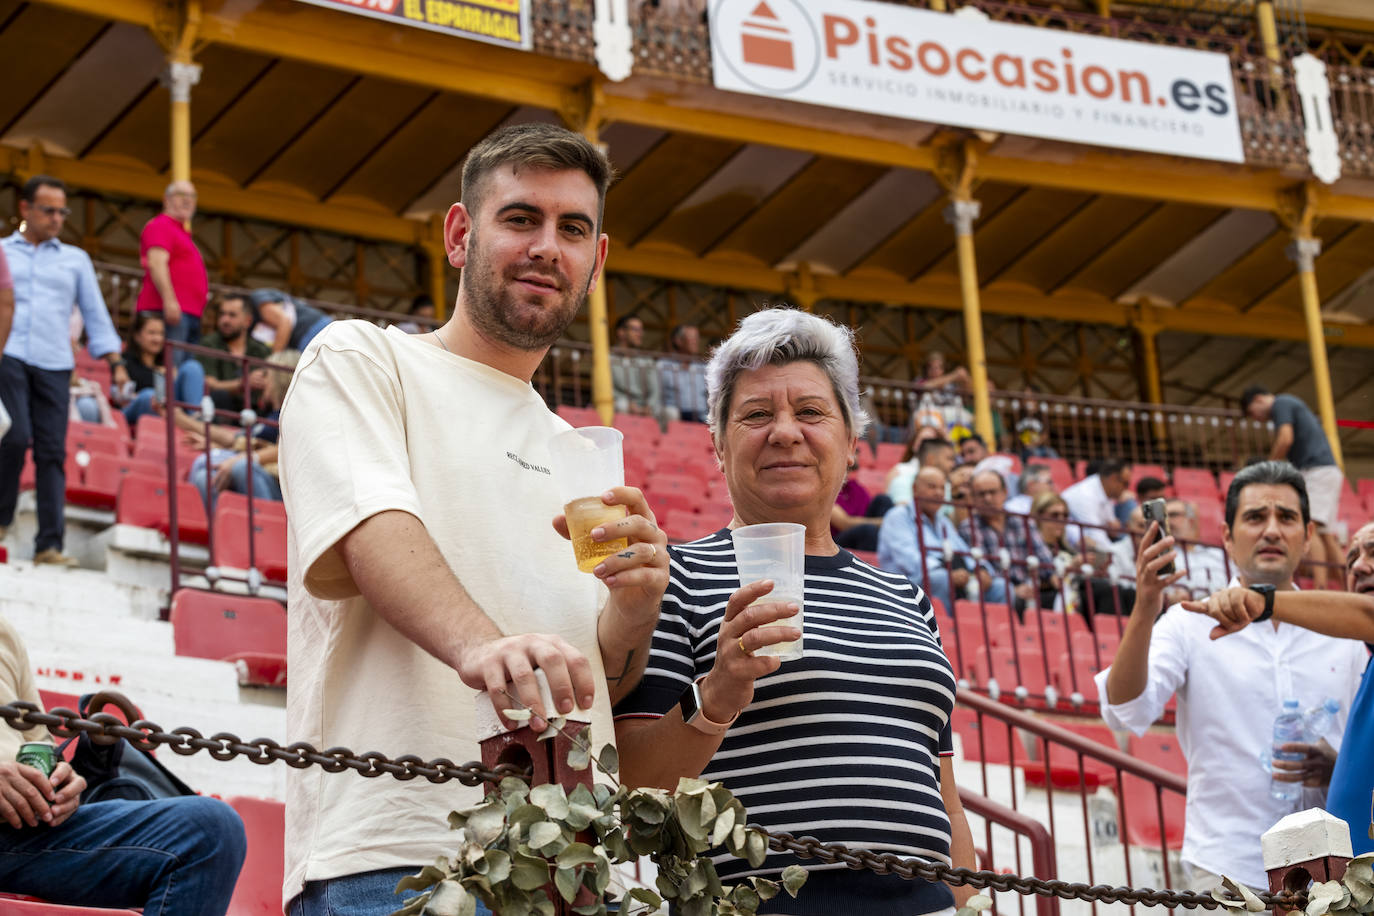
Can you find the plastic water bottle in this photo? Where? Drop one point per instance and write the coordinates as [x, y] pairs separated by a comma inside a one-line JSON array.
[[1288, 727], [1318, 720]]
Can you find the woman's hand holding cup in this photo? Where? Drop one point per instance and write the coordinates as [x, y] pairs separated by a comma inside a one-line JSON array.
[[730, 685]]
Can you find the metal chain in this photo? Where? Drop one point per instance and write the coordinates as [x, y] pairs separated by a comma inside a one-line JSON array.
[[146, 735]]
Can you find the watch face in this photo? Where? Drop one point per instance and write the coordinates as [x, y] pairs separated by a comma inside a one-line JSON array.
[[688, 703]]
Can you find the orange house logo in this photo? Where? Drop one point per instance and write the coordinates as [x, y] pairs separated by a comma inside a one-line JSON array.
[[765, 41], [769, 45]]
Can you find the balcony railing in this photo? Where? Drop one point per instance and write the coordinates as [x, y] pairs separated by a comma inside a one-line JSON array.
[[671, 39]]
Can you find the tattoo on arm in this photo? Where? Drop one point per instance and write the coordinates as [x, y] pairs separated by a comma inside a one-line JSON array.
[[624, 672]]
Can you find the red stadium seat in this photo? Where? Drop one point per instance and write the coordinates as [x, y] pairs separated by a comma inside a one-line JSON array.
[[248, 631], [889, 453], [671, 500], [1075, 674], [151, 428], [579, 416], [1062, 766], [1141, 806], [992, 741], [1196, 484], [96, 438], [98, 485], [231, 547], [637, 428], [868, 556], [258, 891], [267, 508], [1148, 470], [143, 502]]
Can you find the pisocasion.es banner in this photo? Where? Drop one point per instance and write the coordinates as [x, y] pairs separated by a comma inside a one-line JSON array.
[[945, 69], [500, 22]]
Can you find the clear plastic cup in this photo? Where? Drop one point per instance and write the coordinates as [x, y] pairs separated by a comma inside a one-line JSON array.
[[776, 551], [586, 463]]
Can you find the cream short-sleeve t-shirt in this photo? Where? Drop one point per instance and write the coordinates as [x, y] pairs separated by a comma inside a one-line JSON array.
[[375, 421]]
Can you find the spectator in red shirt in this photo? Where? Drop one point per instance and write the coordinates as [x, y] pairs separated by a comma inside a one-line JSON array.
[[174, 279]]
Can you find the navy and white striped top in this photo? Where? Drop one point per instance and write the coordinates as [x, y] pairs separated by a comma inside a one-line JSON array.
[[842, 744]]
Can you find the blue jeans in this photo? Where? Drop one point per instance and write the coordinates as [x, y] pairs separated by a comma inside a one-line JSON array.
[[265, 486], [369, 893], [170, 856], [190, 388], [187, 330], [309, 335], [38, 403]]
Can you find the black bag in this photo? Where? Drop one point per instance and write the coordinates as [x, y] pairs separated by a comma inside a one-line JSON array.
[[118, 769]]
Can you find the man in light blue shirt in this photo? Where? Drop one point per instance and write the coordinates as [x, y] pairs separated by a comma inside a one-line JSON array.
[[50, 278], [683, 376], [939, 561]]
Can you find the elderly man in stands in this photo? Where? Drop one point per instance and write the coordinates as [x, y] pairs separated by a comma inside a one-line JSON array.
[[1348, 615], [175, 283], [51, 280], [682, 376], [170, 856], [1230, 690], [1092, 501], [1005, 541], [938, 560], [1035, 479]]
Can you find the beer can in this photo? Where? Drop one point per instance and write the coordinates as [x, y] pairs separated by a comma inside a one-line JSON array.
[[40, 755]]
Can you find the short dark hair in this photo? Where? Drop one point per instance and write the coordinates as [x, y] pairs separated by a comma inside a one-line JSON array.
[[929, 446], [30, 189], [1248, 396], [238, 297], [1279, 473], [623, 320], [678, 331], [424, 300], [1150, 485], [536, 146], [1109, 467], [974, 437]]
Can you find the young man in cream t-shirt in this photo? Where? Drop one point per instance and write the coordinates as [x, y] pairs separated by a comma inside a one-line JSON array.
[[423, 565]]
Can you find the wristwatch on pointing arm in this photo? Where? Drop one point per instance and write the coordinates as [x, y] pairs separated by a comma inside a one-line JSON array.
[[1268, 592], [690, 704]]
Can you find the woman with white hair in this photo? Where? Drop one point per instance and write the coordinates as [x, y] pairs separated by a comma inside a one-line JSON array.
[[850, 743]]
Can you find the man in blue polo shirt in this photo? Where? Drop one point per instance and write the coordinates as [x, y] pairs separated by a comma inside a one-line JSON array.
[[50, 278], [1347, 614]]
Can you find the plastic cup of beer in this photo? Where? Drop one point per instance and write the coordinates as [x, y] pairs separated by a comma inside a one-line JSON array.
[[586, 463], [776, 551]]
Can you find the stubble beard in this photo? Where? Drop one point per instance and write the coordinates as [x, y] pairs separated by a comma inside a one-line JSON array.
[[497, 313]]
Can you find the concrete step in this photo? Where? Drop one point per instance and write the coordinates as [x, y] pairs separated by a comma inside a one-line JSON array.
[[143, 677], [89, 631], [59, 589]]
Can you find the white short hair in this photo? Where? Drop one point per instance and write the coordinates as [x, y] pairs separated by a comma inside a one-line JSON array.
[[776, 337]]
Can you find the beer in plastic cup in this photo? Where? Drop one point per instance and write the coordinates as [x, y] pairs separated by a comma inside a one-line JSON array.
[[586, 463], [776, 551]]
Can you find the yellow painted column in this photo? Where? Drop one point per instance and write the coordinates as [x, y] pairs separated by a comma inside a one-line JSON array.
[[598, 328], [961, 214], [1149, 352], [179, 77], [1269, 33], [437, 255], [1303, 251]]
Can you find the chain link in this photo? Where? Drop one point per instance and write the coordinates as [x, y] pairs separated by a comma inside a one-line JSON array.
[[64, 723]]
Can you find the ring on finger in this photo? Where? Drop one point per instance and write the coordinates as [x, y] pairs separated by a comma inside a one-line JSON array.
[[747, 653]]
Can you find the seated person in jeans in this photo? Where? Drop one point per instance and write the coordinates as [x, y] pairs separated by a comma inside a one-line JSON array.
[[169, 856], [229, 466], [143, 356]]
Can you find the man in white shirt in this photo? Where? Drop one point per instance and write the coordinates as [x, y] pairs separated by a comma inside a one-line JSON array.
[[423, 565], [1092, 501], [1230, 690]]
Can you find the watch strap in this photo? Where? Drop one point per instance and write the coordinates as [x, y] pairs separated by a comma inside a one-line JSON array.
[[1268, 593], [692, 713]]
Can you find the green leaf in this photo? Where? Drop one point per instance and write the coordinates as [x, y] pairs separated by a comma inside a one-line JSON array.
[[579, 758], [725, 822], [591, 909], [498, 866], [645, 896], [575, 854], [689, 786], [543, 905], [528, 872], [518, 715], [525, 815], [766, 889], [486, 823], [738, 837], [567, 882], [551, 798], [1252, 903], [450, 899], [708, 813], [608, 759], [543, 833], [794, 876], [426, 878], [746, 898], [666, 885], [756, 848]]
